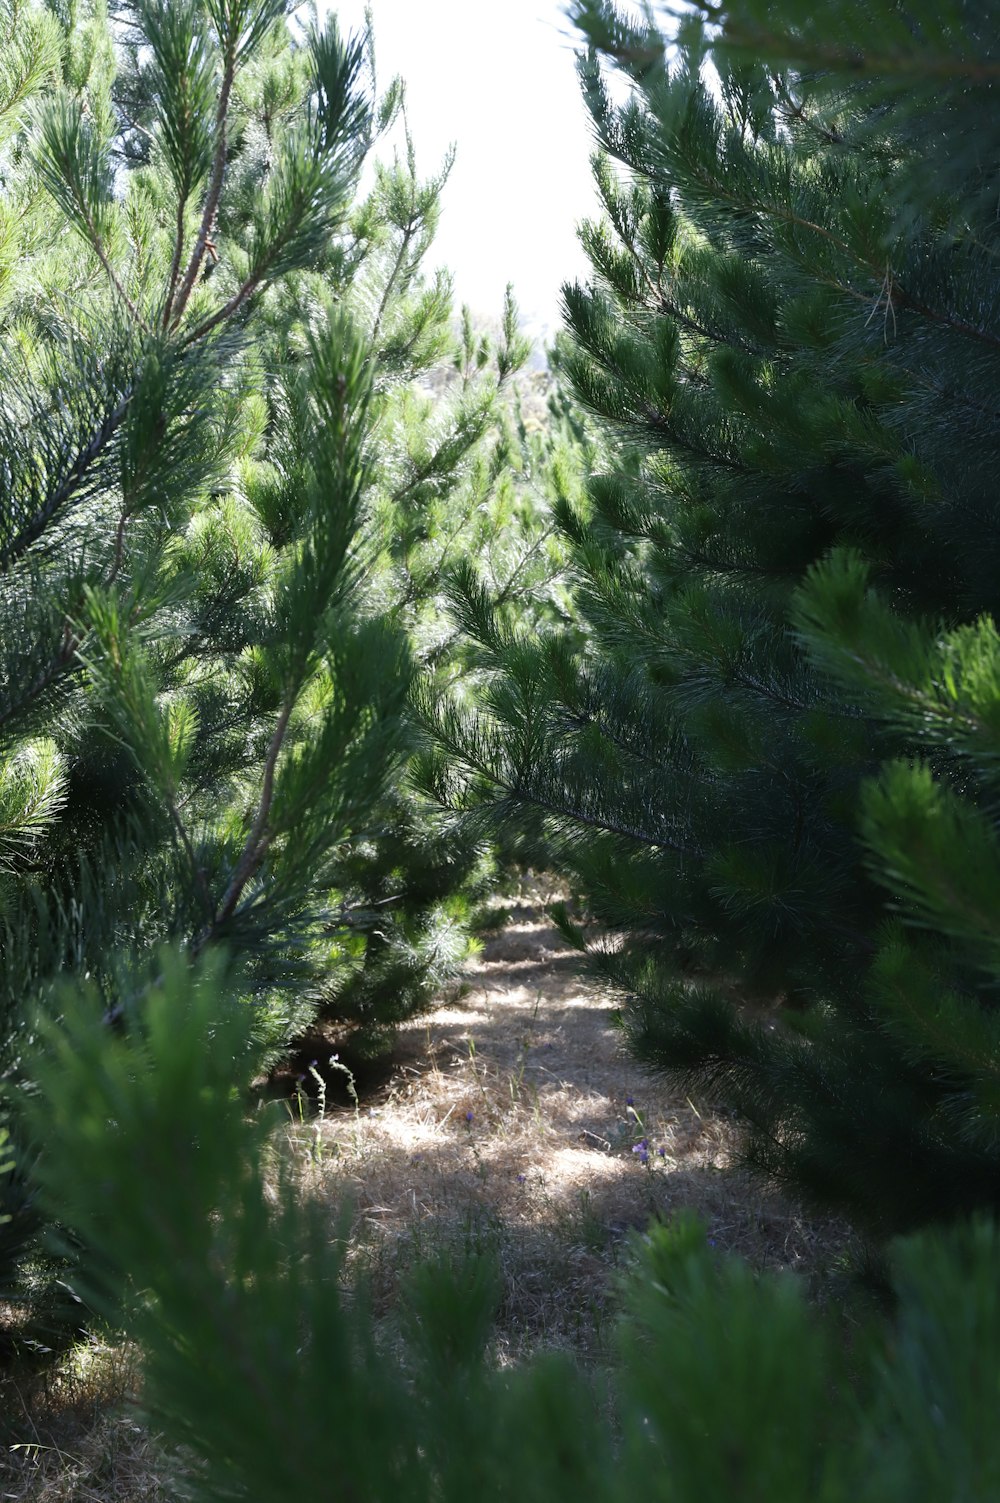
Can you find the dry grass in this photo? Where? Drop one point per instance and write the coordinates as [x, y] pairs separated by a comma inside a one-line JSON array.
[[75, 1439], [508, 1124]]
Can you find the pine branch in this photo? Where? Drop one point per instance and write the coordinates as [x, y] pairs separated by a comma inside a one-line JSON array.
[[111, 273], [235, 303], [175, 310], [259, 275], [796, 110], [390, 286], [579, 816], [68, 486], [63, 661], [257, 841], [719, 189], [922, 63], [175, 264]]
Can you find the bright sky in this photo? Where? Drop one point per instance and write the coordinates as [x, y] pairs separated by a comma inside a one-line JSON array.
[[499, 81]]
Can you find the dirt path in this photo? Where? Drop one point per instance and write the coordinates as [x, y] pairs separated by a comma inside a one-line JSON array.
[[516, 1120]]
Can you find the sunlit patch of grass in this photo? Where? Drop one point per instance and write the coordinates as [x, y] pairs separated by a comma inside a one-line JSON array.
[[516, 1117], [71, 1434]]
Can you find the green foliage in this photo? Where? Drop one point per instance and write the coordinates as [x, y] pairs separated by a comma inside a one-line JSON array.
[[6, 1164], [226, 507], [727, 1384], [785, 576], [931, 65], [29, 55]]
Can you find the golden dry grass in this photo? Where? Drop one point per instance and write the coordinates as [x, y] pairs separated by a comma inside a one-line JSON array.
[[76, 1439], [510, 1123]]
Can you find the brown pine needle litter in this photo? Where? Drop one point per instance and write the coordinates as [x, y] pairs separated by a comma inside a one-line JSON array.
[[514, 1123]]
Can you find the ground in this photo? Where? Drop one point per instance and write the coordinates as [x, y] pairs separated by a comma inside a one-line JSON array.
[[516, 1120], [513, 1122]]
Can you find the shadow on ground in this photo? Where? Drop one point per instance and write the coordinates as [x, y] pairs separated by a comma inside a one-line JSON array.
[[513, 1121]]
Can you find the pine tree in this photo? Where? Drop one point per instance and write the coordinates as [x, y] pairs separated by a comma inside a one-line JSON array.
[[177, 683], [210, 434], [790, 340]]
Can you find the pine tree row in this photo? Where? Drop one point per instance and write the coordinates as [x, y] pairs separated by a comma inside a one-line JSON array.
[[770, 764], [754, 723], [227, 500]]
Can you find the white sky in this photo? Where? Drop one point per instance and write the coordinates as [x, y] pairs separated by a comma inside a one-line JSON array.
[[498, 81]]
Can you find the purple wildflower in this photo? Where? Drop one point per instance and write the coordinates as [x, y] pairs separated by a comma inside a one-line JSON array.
[[469, 1116]]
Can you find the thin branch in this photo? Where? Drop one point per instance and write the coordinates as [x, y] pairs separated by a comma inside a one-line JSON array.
[[390, 285], [58, 665], [788, 216], [256, 279], [62, 493], [175, 265], [234, 304], [257, 841], [119, 555], [796, 110], [595, 822], [507, 590], [197, 871], [214, 194], [856, 62], [102, 256], [851, 60]]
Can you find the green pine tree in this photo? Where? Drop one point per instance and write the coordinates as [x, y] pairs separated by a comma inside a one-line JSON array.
[[790, 341], [212, 433], [179, 677]]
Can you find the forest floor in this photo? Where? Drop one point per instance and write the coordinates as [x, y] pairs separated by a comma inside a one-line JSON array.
[[516, 1122], [513, 1121]]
